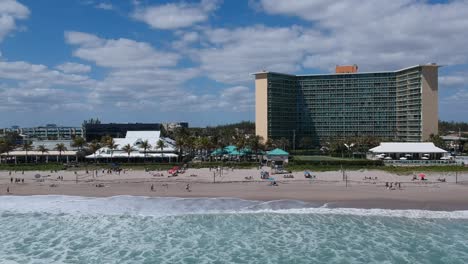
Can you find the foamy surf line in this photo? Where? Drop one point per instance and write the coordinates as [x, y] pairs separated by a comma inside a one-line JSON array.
[[163, 206]]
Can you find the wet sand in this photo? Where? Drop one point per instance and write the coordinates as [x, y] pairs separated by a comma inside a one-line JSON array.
[[328, 187]]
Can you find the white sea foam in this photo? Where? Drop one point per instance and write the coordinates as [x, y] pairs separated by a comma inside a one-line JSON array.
[[163, 206]]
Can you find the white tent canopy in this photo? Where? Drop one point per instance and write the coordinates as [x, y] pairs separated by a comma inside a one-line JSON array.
[[407, 147]]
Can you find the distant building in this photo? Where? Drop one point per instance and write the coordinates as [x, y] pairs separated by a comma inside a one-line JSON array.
[[454, 143], [51, 144], [49, 131], [399, 105], [116, 130], [174, 125]]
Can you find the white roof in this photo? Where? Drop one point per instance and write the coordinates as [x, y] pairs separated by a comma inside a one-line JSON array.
[[132, 155], [38, 153], [135, 138], [406, 147]]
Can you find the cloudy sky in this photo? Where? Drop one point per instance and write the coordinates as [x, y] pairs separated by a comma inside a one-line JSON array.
[[153, 61]]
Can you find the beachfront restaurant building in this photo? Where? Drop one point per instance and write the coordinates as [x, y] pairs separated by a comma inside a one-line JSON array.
[[34, 156], [408, 151], [137, 152]]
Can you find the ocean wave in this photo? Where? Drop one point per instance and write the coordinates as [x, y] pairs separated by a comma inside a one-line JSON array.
[[172, 206]]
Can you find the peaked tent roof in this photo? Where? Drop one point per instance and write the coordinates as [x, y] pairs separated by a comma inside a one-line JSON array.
[[230, 149], [407, 147], [277, 152]]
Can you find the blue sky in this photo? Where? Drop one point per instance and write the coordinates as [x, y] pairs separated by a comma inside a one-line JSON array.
[[154, 61]]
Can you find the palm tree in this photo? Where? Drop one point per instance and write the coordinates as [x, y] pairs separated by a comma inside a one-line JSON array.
[[79, 142], [112, 146], [160, 145], [240, 144], [205, 144], [181, 144], [60, 147], [5, 147], [27, 146], [94, 147], [145, 145], [255, 144], [105, 140], [128, 148], [42, 149]]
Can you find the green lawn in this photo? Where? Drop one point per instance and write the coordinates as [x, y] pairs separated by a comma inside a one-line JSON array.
[[320, 158]]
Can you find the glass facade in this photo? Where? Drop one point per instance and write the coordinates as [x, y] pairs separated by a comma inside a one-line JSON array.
[[385, 105]]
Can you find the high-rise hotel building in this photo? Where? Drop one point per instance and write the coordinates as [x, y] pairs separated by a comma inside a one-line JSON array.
[[398, 105]]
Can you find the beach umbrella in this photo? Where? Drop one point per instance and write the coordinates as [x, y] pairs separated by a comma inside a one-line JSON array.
[[422, 175]]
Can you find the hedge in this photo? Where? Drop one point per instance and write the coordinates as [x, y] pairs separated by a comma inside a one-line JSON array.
[[347, 163]]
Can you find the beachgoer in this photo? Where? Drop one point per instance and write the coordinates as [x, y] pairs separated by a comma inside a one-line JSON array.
[[152, 187], [8, 189], [11, 180], [386, 185], [187, 187], [22, 180]]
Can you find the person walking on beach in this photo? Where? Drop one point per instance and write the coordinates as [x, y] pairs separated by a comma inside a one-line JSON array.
[[11, 180], [152, 187], [187, 187]]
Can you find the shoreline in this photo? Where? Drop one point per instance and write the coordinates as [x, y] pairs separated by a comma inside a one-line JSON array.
[[333, 196], [328, 187]]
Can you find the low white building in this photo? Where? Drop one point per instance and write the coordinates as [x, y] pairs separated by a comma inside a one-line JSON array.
[[135, 140], [407, 151]]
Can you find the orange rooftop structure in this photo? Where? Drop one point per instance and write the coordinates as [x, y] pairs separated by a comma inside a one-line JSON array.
[[346, 68]]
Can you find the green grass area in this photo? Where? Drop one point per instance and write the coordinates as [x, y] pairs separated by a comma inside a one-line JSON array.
[[32, 167], [319, 158]]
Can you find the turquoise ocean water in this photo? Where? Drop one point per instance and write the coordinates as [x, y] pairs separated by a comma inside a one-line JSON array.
[[125, 229]]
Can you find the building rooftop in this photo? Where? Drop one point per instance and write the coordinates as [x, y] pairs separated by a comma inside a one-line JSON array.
[[355, 73], [405, 147]]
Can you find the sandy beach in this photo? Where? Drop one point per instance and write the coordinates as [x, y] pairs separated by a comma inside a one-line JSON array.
[[327, 188]]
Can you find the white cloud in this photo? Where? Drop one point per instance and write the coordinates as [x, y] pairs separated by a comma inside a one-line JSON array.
[[379, 35], [29, 73], [10, 11], [29, 86], [231, 55], [185, 39], [118, 53], [231, 99], [453, 80], [70, 67], [173, 16], [105, 6]]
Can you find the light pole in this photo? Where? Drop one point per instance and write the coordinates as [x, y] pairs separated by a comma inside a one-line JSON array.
[[294, 141]]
